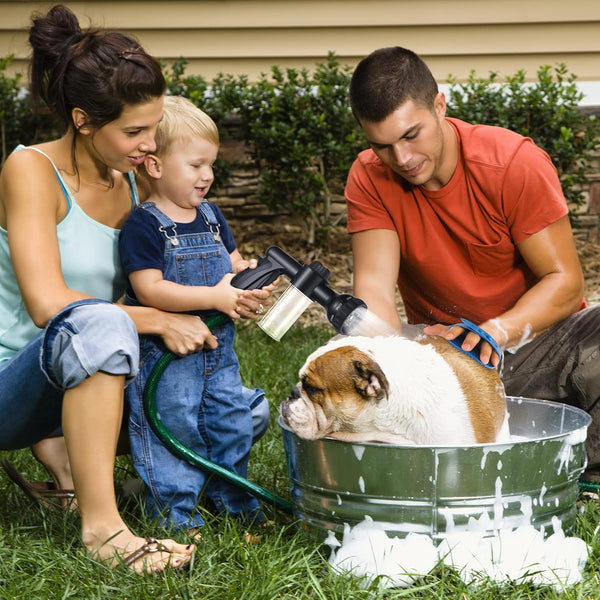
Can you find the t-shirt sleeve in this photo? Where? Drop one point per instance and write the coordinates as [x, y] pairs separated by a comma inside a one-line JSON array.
[[365, 188], [141, 243], [531, 193]]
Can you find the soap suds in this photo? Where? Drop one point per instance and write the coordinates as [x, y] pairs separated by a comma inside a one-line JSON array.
[[519, 555]]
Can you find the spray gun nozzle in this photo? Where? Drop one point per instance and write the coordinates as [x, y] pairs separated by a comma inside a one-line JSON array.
[[340, 308], [308, 283]]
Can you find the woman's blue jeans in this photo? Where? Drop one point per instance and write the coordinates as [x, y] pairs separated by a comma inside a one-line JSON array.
[[86, 337]]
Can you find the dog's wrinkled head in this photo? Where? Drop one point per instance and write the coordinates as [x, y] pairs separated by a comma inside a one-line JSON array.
[[397, 391], [335, 387]]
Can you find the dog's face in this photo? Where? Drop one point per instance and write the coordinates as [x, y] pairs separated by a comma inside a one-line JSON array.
[[336, 387], [397, 391]]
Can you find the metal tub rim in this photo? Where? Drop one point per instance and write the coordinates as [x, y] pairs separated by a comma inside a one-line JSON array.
[[586, 421], [436, 489]]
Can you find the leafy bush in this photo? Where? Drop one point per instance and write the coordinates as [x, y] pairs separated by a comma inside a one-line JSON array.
[[298, 128], [18, 123], [547, 111], [304, 138], [300, 132]]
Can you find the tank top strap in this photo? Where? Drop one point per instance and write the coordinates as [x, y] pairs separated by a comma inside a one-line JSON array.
[[135, 197], [65, 189]]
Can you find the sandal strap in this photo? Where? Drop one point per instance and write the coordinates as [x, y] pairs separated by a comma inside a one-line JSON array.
[[152, 545], [39, 491], [55, 493]]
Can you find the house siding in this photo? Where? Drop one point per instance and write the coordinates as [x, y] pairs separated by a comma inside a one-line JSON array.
[[248, 36]]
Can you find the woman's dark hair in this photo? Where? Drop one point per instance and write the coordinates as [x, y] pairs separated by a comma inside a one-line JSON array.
[[98, 72], [388, 78]]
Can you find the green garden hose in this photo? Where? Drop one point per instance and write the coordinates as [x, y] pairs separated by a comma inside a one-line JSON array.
[[177, 448]]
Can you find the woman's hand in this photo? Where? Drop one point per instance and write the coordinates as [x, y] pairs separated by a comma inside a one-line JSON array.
[[254, 303], [184, 334]]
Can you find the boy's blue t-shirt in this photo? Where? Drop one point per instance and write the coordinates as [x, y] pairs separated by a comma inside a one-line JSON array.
[[141, 244]]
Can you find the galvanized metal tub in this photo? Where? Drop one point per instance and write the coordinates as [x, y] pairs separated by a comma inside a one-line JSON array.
[[439, 490]]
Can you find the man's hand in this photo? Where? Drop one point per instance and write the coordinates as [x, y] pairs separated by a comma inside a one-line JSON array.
[[487, 354]]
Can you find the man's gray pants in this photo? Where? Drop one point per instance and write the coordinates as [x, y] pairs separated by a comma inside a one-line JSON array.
[[563, 365]]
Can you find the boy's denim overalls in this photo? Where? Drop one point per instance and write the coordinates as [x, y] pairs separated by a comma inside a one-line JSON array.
[[199, 397]]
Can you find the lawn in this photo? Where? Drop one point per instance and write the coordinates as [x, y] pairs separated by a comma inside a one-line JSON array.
[[41, 556]]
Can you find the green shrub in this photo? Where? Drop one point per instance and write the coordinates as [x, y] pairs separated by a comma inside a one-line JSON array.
[[304, 139], [18, 122], [298, 128], [547, 111], [300, 132]]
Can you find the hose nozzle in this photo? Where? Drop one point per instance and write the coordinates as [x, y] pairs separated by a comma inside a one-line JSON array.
[[308, 283]]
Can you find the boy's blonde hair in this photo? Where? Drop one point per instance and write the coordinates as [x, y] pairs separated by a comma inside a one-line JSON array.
[[182, 119]]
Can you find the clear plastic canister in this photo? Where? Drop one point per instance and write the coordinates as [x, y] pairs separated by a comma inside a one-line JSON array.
[[284, 313]]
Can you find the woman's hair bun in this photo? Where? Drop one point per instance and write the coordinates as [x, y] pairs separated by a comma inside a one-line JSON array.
[[55, 31], [96, 71]]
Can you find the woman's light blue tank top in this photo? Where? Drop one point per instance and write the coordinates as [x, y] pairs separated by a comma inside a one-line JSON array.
[[90, 263]]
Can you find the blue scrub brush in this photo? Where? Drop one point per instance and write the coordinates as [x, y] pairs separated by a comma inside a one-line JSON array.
[[474, 353]]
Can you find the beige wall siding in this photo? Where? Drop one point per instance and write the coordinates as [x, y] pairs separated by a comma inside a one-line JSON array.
[[248, 36]]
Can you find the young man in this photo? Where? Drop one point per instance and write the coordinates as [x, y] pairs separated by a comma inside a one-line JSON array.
[[469, 221]]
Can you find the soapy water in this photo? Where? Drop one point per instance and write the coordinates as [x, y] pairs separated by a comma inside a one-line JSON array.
[[491, 548], [521, 555], [362, 321]]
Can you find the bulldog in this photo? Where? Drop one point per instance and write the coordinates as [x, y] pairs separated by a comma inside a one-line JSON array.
[[397, 391]]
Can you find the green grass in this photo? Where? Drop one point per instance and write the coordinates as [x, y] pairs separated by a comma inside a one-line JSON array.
[[41, 556]]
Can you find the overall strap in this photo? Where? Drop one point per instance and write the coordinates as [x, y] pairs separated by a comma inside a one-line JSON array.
[[164, 222], [211, 220], [66, 191]]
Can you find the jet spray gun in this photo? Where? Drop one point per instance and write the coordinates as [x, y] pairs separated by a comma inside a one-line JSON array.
[[308, 283]]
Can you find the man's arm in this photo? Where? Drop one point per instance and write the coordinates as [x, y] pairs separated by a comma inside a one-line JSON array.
[[552, 257], [376, 254]]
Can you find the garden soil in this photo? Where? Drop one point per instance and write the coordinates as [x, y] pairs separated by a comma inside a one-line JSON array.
[[254, 237]]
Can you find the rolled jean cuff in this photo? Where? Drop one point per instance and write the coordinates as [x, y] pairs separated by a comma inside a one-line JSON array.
[[86, 337]]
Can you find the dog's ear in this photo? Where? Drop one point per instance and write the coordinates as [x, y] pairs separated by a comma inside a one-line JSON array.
[[369, 380]]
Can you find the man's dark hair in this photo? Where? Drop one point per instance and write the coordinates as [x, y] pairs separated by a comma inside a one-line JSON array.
[[388, 78]]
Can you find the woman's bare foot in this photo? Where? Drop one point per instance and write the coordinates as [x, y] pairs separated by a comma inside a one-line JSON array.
[[52, 454], [144, 556]]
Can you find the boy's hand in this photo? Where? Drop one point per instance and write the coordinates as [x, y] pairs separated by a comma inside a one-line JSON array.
[[227, 297], [241, 265]]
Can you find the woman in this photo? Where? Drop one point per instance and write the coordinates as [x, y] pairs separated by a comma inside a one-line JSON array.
[[61, 206]]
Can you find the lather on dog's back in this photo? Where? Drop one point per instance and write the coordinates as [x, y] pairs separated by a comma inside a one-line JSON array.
[[399, 391]]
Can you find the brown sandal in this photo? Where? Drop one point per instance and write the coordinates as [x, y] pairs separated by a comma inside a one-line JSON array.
[[152, 545], [43, 492]]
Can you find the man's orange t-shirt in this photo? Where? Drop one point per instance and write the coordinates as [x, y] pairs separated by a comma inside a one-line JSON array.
[[459, 255]]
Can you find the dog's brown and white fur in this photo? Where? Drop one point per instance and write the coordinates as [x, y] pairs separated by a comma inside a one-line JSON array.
[[398, 391]]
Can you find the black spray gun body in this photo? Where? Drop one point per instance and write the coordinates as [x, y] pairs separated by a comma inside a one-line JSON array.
[[307, 283]]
